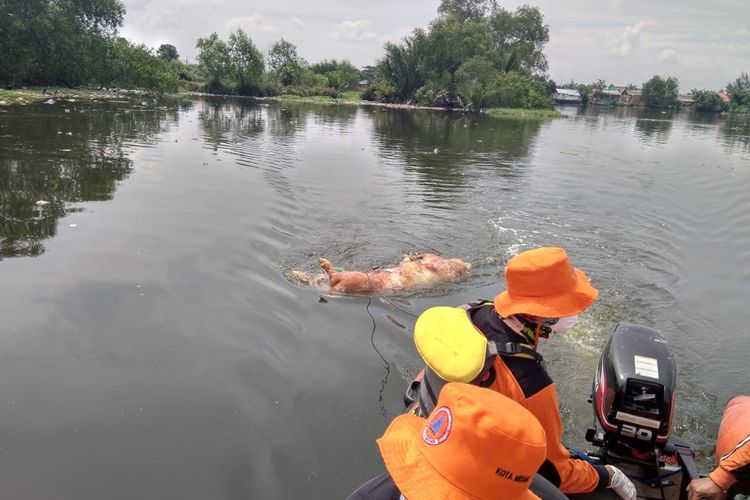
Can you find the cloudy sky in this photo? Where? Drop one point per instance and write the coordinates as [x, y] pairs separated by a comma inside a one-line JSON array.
[[704, 43]]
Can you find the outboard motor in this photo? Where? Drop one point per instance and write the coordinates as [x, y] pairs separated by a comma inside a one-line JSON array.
[[634, 389], [634, 401]]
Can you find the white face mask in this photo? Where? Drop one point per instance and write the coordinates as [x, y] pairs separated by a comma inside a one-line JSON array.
[[565, 324]]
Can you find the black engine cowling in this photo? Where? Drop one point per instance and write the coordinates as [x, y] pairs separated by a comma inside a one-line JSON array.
[[634, 389]]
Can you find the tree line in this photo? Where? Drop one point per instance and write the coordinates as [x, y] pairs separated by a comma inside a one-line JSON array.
[[473, 54], [663, 92], [74, 43]]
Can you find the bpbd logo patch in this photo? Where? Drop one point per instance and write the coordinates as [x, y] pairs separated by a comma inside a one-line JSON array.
[[438, 427]]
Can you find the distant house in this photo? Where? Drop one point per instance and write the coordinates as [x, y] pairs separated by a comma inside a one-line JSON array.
[[567, 96], [631, 96], [686, 99], [723, 96], [617, 88], [606, 96]]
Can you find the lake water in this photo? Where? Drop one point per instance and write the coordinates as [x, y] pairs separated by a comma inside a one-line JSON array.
[[151, 346]]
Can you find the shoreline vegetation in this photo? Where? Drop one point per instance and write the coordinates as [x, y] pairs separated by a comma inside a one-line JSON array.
[[474, 56], [27, 96]]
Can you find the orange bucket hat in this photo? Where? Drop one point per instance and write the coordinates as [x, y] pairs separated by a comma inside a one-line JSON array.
[[542, 282], [476, 444]]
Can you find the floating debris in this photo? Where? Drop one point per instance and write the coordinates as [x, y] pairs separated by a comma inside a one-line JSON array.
[[435, 151], [72, 225], [41, 203], [50, 101]]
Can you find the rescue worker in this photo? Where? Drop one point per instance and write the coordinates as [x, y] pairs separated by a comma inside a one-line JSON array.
[[732, 475], [544, 295], [476, 444]]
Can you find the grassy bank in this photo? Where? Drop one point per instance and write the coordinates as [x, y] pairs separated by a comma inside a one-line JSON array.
[[351, 97], [18, 97], [524, 113]]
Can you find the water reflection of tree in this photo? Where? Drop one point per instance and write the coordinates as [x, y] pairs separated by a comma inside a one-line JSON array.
[[651, 125], [462, 140], [62, 157], [735, 132], [226, 122]]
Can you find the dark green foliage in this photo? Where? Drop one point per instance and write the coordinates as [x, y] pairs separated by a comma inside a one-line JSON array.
[[339, 75], [168, 52], [73, 42], [661, 92], [285, 63], [516, 90], [379, 91], [134, 66], [246, 63], [739, 91], [213, 60], [519, 38], [708, 100], [476, 81], [368, 73], [463, 10], [458, 60], [400, 66]]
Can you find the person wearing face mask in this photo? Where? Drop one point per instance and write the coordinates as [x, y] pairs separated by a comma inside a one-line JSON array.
[[544, 295]]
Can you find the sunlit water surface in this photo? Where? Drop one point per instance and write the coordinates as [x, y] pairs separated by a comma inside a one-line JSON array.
[[152, 346]]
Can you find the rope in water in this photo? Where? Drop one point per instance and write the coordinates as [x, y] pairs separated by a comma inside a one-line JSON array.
[[383, 382]]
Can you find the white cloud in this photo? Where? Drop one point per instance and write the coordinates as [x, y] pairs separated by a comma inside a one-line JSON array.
[[354, 30], [630, 39], [668, 56], [253, 25], [297, 22]]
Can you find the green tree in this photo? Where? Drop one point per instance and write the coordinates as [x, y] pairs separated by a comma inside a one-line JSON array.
[[246, 62], [661, 92], [516, 90], [339, 75], [285, 63], [368, 73], [134, 66], [400, 67], [739, 90], [214, 60], [54, 41], [476, 82], [464, 10], [518, 39], [707, 100], [168, 52]]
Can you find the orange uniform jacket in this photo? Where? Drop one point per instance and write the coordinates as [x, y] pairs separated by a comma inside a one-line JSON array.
[[527, 382], [733, 444]]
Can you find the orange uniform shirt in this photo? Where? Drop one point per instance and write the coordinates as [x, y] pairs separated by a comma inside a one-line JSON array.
[[733, 444], [527, 382]]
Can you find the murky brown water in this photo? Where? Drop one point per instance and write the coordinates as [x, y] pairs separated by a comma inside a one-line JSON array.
[[152, 348]]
